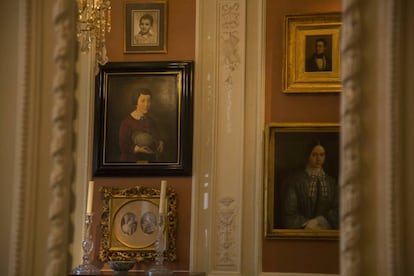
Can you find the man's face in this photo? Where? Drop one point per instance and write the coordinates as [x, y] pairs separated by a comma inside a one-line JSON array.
[[143, 103], [145, 25], [317, 157], [320, 47]]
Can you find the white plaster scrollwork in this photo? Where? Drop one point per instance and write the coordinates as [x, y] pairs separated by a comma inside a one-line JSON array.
[[350, 168], [229, 33], [226, 252], [229, 50], [60, 146]]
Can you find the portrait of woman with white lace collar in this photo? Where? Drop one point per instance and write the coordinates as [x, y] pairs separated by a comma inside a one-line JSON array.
[[311, 199]]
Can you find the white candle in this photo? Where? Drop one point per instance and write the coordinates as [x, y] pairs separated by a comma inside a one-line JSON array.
[[90, 198], [162, 196]]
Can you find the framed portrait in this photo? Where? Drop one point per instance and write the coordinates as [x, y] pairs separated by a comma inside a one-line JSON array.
[[145, 26], [128, 224], [311, 58], [143, 119], [301, 180]]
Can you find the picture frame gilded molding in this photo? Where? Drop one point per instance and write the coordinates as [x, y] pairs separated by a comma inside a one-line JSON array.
[[311, 59], [128, 224]]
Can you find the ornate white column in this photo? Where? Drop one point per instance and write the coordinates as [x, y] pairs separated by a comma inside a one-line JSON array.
[[61, 150], [44, 131], [376, 229], [226, 186]]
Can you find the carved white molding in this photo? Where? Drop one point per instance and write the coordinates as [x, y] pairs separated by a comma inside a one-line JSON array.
[[61, 138], [227, 167], [229, 51], [26, 124], [394, 98], [226, 254], [370, 113], [229, 134], [205, 106], [350, 137]]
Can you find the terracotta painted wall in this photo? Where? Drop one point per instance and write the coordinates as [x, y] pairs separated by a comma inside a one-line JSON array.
[[180, 32], [180, 46], [309, 256], [278, 255]]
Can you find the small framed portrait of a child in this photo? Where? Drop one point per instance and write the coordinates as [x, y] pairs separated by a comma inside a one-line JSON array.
[[145, 26]]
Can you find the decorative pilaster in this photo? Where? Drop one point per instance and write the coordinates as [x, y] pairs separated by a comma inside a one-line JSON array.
[[229, 35], [228, 145], [350, 146], [226, 253], [61, 140], [228, 158]]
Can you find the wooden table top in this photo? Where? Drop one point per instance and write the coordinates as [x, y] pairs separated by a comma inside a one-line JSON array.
[[142, 273]]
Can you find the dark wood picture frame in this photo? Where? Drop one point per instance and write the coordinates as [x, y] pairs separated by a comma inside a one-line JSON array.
[[171, 114], [286, 152], [145, 26]]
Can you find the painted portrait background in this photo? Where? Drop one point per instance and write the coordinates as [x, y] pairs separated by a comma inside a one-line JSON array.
[[291, 155], [121, 91], [310, 42]]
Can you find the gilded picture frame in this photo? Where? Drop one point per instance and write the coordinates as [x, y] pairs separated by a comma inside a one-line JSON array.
[[128, 224], [145, 26], [156, 141], [311, 61], [287, 151]]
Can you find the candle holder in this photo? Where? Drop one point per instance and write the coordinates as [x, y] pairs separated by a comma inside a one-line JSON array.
[[159, 269], [86, 268]]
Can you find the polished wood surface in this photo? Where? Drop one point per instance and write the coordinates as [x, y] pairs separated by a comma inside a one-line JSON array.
[[141, 273]]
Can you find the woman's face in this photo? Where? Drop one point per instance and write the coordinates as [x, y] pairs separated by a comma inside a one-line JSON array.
[[143, 103], [317, 157]]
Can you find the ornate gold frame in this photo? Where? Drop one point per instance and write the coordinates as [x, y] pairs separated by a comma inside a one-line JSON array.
[[298, 28], [272, 185], [139, 244]]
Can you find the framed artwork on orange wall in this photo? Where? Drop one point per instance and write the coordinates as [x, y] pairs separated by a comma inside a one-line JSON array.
[[145, 26], [301, 180], [143, 119], [311, 59], [129, 224]]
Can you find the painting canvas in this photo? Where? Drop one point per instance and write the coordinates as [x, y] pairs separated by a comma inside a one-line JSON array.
[[311, 61], [143, 119], [301, 183]]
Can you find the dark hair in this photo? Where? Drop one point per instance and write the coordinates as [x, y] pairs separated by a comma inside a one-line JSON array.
[[139, 92], [321, 40], [310, 146], [148, 17]]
